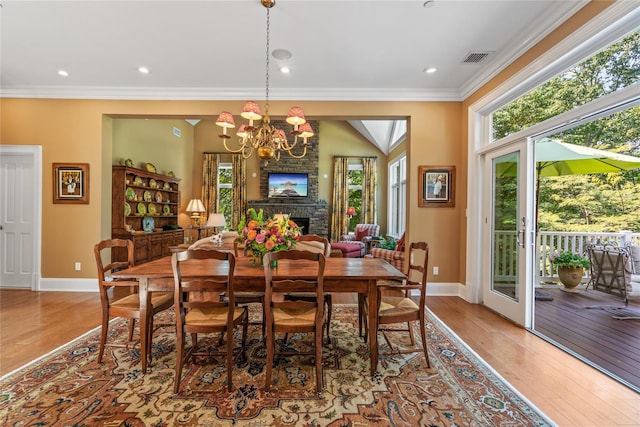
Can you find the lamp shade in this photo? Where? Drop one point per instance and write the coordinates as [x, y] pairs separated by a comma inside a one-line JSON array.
[[225, 120], [296, 116], [216, 220], [195, 205], [251, 111], [351, 211], [306, 131]]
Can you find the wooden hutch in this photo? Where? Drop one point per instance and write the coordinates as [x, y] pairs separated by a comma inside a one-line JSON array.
[[144, 208]]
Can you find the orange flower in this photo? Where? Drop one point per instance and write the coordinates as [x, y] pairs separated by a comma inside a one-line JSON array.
[[251, 234], [269, 244], [252, 225], [292, 224]]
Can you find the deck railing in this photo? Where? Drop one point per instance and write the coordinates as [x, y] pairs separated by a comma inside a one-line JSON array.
[[547, 242]]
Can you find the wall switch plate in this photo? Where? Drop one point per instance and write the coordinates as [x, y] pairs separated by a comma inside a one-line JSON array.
[[78, 266], [436, 270]]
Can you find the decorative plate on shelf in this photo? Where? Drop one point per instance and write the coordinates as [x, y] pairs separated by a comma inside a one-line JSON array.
[[166, 186], [148, 224], [152, 183], [147, 196], [171, 174], [152, 209], [142, 209], [166, 210], [137, 181], [127, 209], [150, 167], [158, 197], [130, 194]]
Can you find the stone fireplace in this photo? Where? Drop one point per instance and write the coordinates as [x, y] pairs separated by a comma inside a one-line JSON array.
[[310, 208]]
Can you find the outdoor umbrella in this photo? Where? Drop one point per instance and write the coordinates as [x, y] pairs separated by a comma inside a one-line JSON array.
[[555, 158]]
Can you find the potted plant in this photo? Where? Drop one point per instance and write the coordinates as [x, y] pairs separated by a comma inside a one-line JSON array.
[[570, 267]]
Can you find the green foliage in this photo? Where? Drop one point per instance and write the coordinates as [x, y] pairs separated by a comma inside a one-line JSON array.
[[388, 243], [566, 259], [590, 203]]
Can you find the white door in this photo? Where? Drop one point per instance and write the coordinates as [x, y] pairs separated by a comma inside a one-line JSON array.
[[20, 178], [507, 235]]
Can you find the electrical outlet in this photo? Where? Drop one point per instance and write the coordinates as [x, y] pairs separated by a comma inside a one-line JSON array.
[[436, 270], [78, 266]]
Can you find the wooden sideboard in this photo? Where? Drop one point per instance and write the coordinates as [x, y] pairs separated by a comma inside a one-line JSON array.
[[144, 206]]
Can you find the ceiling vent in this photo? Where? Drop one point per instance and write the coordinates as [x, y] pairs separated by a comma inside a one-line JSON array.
[[475, 57]]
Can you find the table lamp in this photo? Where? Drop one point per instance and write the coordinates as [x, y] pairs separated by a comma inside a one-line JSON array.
[[216, 220], [351, 211], [196, 207]]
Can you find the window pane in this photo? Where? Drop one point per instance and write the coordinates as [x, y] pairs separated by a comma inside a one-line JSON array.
[[609, 70]]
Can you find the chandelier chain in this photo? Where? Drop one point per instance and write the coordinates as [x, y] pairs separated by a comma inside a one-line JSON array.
[[267, 61]]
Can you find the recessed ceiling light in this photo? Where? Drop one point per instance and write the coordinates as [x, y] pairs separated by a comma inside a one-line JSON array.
[[143, 70], [63, 73], [285, 70], [430, 70]]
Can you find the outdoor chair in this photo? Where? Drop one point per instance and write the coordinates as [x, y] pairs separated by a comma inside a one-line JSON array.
[[612, 273], [294, 316], [119, 298], [199, 309]]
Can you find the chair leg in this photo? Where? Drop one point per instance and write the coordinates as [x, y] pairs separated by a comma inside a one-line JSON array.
[[270, 350], [132, 325], [229, 360], [329, 303], [179, 360], [411, 337], [423, 335], [318, 337], [103, 335]]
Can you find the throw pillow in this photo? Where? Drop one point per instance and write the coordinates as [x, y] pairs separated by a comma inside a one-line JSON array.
[[400, 245], [361, 234]]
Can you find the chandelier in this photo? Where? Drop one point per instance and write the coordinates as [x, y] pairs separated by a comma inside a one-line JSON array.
[[263, 137]]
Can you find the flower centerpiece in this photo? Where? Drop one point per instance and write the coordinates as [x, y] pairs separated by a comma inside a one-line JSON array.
[[259, 235], [570, 267]]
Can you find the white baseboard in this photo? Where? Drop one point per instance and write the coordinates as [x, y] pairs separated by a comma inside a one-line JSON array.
[[68, 285]]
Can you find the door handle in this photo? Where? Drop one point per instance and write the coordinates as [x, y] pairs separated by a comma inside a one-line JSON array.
[[520, 236]]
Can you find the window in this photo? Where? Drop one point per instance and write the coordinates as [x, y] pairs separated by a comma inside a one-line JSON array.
[[610, 70], [225, 190], [355, 193], [396, 210]]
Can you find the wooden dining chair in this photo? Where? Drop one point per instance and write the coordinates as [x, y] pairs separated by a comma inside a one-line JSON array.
[[200, 310], [247, 297], [319, 244], [396, 301], [119, 298], [303, 272]]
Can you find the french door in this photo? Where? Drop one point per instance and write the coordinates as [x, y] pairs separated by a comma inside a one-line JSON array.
[[508, 232]]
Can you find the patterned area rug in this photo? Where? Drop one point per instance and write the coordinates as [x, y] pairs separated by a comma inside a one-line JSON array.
[[69, 388]]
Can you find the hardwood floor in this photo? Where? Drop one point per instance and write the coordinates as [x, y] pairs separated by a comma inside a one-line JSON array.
[[567, 390]]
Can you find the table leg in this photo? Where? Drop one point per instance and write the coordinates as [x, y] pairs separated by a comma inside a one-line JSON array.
[[373, 324], [143, 294]]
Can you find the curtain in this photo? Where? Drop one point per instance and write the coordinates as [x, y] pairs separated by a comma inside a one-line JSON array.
[[340, 197], [239, 208], [369, 185], [210, 164]]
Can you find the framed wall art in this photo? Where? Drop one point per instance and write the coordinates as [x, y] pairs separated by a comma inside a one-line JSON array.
[[71, 183], [436, 185]]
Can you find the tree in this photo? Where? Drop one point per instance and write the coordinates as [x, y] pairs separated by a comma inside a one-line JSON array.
[[601, 202]]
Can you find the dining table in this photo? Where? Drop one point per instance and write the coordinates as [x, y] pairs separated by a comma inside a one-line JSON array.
[[359, 275]]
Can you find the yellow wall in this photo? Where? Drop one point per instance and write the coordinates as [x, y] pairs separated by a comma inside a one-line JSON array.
[[81, 131]]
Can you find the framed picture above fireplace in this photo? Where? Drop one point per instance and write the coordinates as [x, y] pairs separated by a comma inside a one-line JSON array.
[[288, 185]]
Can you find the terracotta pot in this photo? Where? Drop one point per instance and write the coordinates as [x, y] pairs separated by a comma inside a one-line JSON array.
[[570, 277]]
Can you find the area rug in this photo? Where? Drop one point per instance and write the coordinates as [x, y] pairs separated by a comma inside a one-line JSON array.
[[69, 388]]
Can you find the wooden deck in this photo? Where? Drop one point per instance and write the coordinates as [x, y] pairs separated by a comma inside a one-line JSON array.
[[611, 345]]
